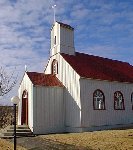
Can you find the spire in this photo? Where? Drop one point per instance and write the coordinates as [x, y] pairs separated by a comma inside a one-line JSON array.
[[54, 11]]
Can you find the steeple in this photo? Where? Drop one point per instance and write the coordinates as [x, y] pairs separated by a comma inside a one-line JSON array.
[[54, 11], [62, 39]]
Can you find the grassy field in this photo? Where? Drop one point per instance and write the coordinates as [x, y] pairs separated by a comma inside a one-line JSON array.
[[99, 140], [5, 145], [102, 140]]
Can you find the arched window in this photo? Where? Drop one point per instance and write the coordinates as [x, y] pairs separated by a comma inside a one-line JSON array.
[[54, 67], [132, 100], [25, 94], [98, 100], [118, 101]]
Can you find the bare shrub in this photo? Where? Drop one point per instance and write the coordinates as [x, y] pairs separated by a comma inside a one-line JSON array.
[[6, 116]]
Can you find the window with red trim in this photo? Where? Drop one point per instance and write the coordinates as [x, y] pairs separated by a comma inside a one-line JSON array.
[[132, 100], [98, 100], [54, 67], [118, 101]]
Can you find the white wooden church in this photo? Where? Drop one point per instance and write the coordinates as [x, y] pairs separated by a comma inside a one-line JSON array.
[[77, 92]]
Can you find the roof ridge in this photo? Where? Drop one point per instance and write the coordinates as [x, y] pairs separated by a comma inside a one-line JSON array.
[[65, 25], [33, 72], [103, 58]]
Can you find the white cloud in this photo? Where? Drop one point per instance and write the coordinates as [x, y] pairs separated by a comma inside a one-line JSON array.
[[25, 30], [110, 51]]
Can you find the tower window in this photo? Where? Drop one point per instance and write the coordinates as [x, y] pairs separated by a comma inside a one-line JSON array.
[[98, 100], [55, 40], [54, 67], [118, 101]]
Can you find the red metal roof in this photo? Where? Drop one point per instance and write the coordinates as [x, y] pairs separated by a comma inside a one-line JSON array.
[[44, 79], [95, 67]]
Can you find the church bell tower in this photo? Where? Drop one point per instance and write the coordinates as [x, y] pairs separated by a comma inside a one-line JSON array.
[[62, 39]]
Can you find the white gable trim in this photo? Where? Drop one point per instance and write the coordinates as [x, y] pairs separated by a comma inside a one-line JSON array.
[[27, 85]]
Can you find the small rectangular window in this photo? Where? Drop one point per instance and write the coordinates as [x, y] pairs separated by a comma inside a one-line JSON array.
[[55, 40]]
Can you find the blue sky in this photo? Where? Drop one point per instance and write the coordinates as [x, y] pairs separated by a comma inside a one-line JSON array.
[[102, 27]]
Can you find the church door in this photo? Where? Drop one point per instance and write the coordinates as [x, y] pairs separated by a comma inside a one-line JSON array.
[[24, 116]]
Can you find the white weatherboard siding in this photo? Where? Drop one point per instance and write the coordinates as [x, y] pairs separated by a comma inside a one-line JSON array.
[[55, 32], [27, 85], [48, 110], [64, 40], [92, 118], [70, 79], [67, 41]]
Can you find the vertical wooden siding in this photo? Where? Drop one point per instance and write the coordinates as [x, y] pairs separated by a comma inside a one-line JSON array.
[[66, 41], [70, 80], [109, 116], [48, 110]]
